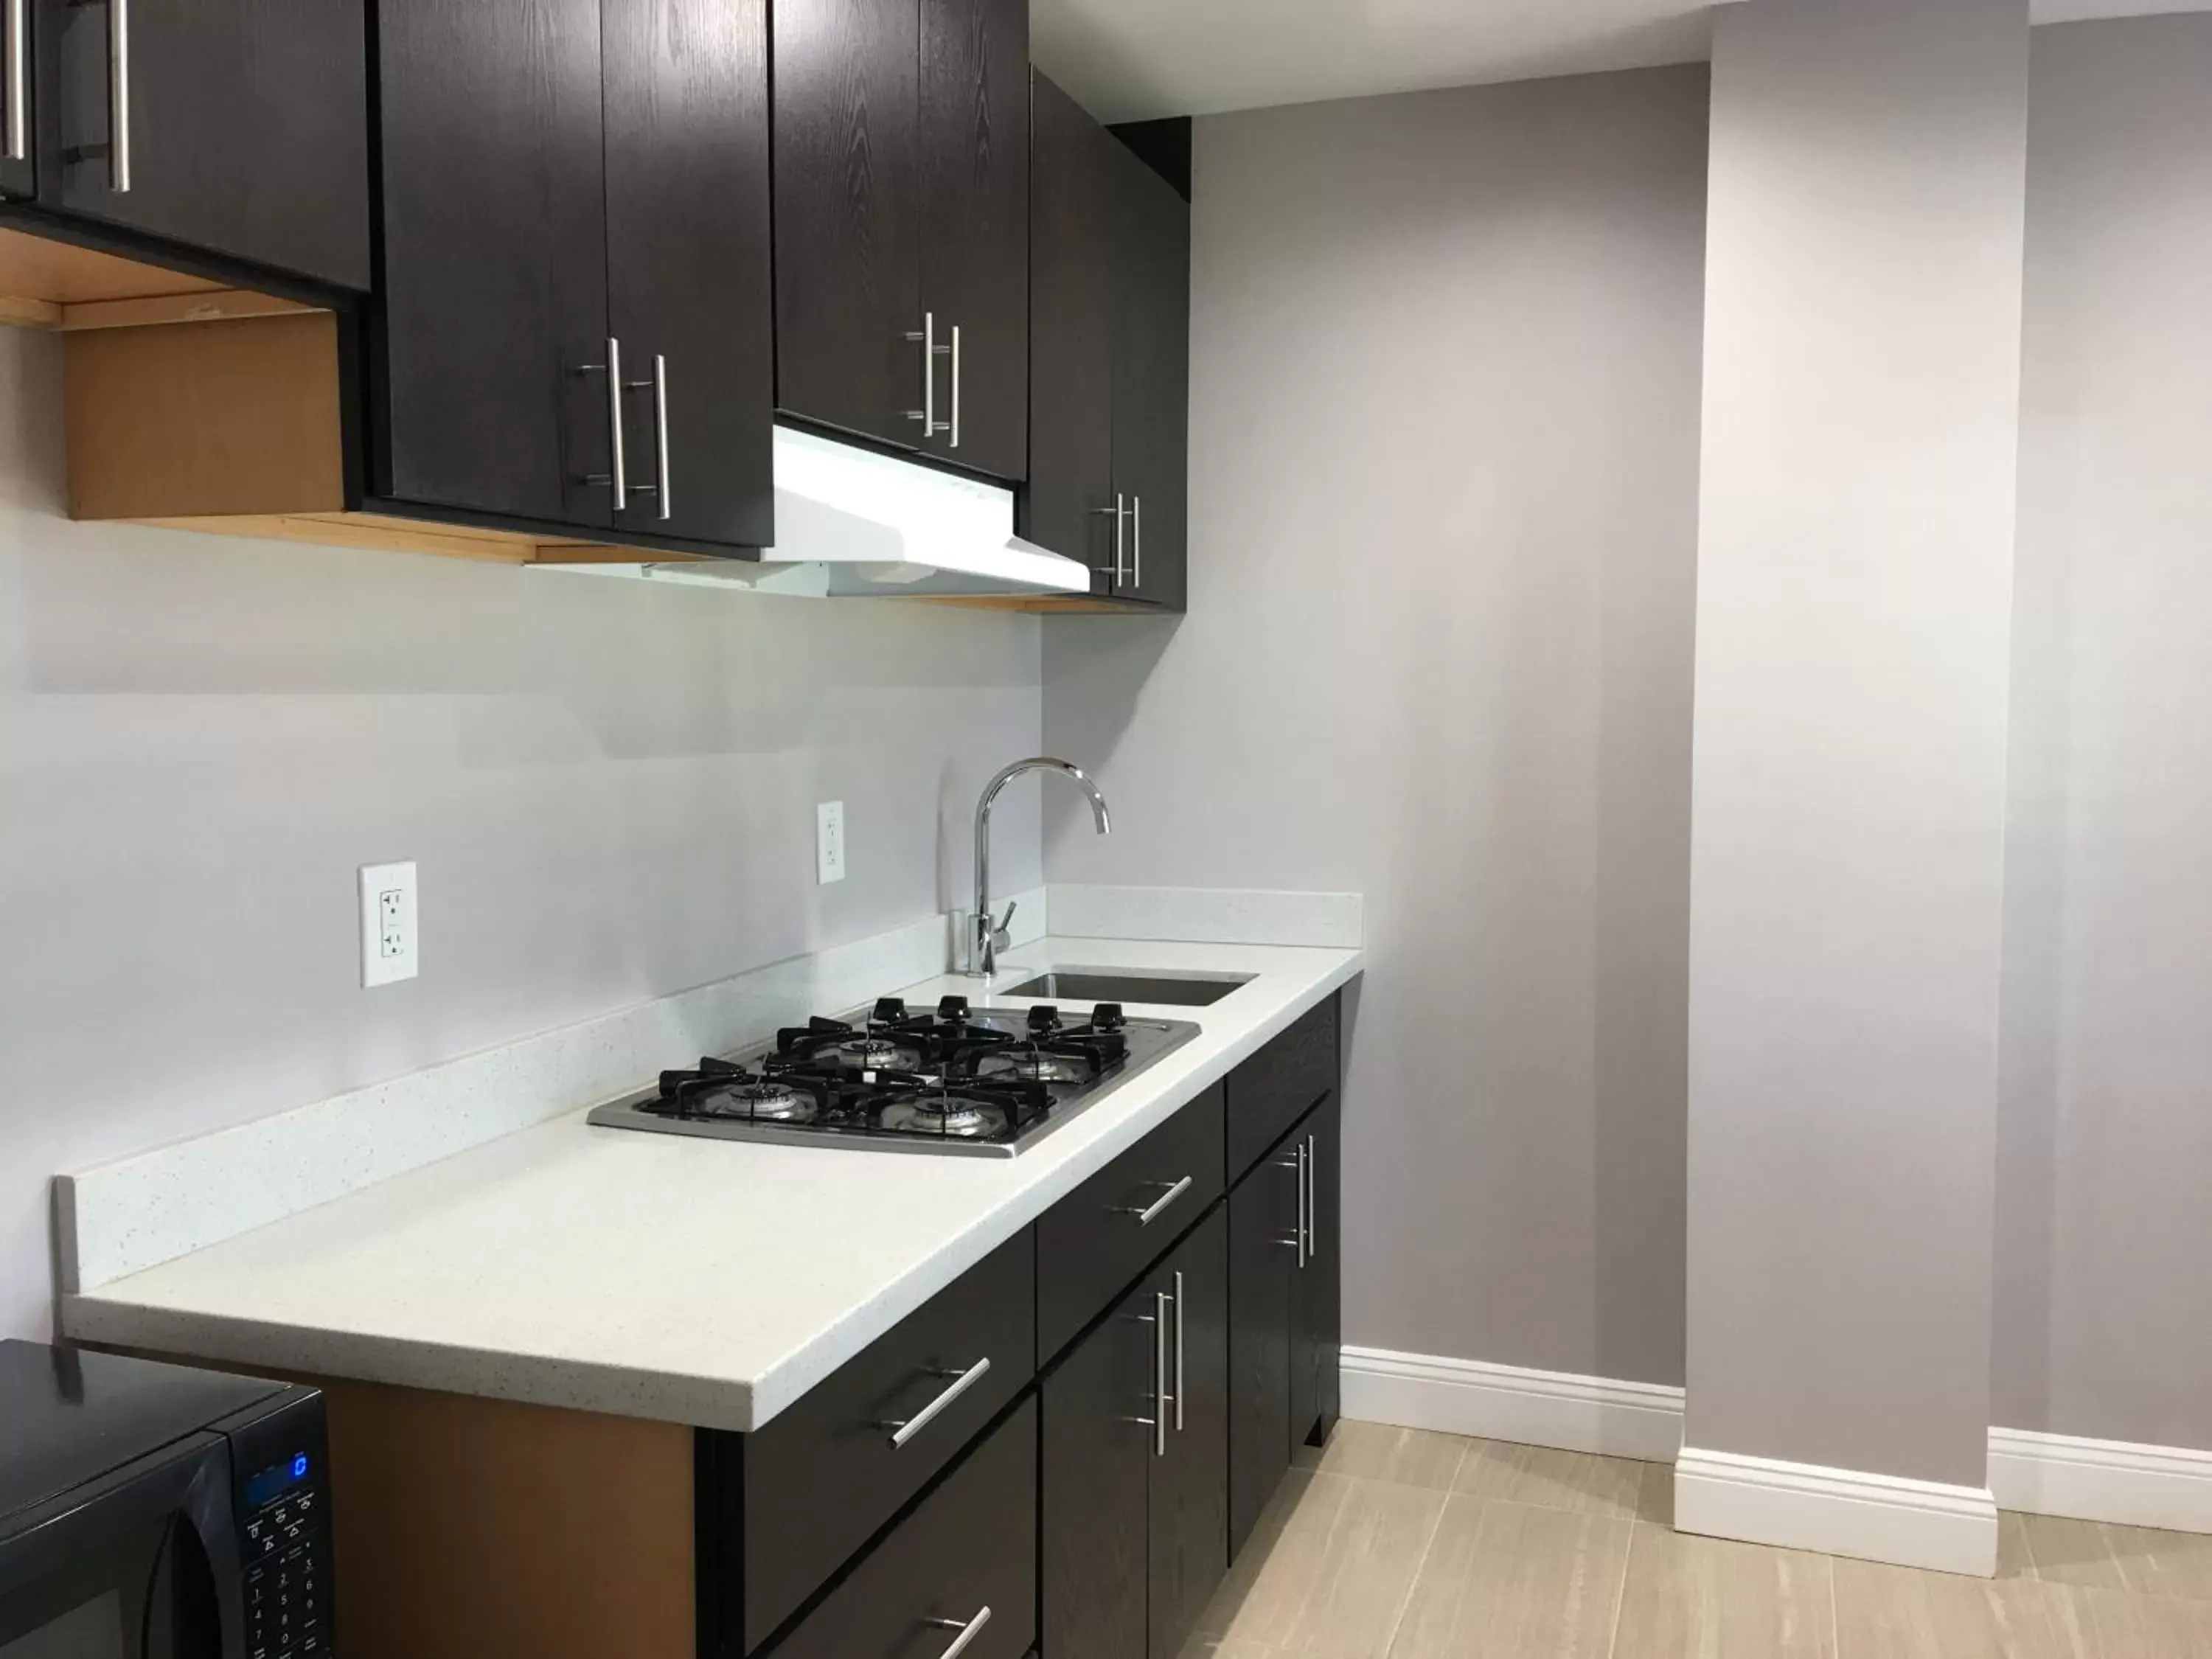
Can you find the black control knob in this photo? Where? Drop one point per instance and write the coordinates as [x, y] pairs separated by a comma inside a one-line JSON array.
[[889, 1011], [1045, 1017], [1106, 1017], [953, 1010]]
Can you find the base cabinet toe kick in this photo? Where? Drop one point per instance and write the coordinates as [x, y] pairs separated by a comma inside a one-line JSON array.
[[1056, 1457]]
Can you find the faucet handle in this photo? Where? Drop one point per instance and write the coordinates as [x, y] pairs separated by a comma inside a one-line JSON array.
[[998, 940]]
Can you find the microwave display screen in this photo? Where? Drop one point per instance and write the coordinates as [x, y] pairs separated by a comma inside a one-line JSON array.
[[273, 1482]]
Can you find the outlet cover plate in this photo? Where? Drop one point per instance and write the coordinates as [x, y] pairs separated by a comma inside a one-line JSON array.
[[389, 943], [829, 843]]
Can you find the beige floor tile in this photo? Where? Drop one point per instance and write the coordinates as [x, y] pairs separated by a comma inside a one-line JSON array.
[[1902, 1613], [1506, 1581], [1224, 1647], [2014, 1559], [2162, 1562], [2096, 1624], [1655, 1499], [2071, 1553], [1410, 1457], [1705, 1598], [1537, 1475], [1332, 1579]]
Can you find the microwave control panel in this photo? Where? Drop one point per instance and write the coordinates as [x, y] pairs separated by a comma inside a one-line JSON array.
[[283, 1542]]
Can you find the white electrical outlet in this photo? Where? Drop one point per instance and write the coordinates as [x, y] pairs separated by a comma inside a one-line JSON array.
[[829, 843], [389, 947]]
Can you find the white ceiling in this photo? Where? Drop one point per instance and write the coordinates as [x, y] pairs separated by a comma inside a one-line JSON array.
[[1128, 59]]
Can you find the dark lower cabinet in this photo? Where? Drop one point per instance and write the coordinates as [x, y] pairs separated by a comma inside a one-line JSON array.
[[234, 127], [1189, 1551], [1263, 1244], [1135, 1464], [1317, 1291], [1109, 359], [963, 1564], [572, 327], [1285, 1318]]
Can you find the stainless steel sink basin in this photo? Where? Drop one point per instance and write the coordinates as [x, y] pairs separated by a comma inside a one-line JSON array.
[[1107, 985]]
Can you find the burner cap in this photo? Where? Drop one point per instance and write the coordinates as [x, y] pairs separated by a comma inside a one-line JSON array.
[[961, 1116], [1045, 1017], [876, 1053], [762, 1102], [1033, 1065]]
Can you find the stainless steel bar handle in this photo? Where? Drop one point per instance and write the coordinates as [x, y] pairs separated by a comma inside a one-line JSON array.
[[1146, 1213], [1160, 1395], [1311, 1205], [661, 434], [1178, 1387], [18, 46], [1137, 539], [931, 351], [1305, 1219], [119, 96], [1297, 1241], [618, 473], [956, 386], [963, 1381], [969, 1631]]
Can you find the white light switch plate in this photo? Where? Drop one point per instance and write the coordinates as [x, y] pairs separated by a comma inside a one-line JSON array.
[[390, 946], [829, 843]]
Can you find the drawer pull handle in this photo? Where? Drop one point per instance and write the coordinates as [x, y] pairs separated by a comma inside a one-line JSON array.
[[969, 1631], [1146, 1213], [904, 1431]]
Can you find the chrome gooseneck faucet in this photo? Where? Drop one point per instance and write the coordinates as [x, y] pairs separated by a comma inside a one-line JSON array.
[[987, 938]]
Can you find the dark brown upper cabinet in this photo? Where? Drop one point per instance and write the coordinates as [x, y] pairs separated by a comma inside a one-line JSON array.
[[902, 224], [232, 128], [573, 327], [1109, 360]]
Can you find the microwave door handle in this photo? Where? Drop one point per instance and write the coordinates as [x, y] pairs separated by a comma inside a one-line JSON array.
[[214, 1526]]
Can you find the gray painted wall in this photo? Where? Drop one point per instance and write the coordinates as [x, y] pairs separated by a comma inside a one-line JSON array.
[[1854, 576], [610, 789], [2104, 1167], [1444, 464]]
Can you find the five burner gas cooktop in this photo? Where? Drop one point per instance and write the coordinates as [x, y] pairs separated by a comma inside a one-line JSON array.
[[983, 1082]]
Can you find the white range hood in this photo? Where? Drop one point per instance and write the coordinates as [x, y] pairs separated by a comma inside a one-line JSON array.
[[850, 523]]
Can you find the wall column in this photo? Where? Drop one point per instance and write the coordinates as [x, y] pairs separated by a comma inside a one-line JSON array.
[[1862, 386]]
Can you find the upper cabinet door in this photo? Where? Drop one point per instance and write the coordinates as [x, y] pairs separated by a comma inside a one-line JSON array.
[[489, 389], [847, 218], [974, 156], [240, 127], [1152, 379], [1069, 506], [688, 264]]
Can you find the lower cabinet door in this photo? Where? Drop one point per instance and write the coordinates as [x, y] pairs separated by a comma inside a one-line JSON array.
[[960, 1571], [1316, 1316], [1097, 1436], [1189, 1552], [1263, 1257]]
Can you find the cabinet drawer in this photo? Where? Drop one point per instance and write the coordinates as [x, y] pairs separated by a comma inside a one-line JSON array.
[[1096, 1241], [816, 1481], [965, 1560], [1279, 1085]]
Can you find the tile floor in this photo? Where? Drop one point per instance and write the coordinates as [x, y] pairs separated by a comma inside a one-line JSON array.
[[1401, 1544]]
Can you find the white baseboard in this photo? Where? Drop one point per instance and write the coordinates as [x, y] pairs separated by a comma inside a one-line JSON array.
[[1509, 1402], [2130, 1484], [2114, 1480], [1875, 1518]]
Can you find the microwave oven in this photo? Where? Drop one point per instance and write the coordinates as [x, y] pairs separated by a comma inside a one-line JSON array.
[[156, 1511]]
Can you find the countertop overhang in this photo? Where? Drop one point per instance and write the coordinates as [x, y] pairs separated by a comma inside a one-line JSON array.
[[704, 1282]]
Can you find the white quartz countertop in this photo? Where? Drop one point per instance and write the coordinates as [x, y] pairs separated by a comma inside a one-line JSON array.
[[661, 1276]]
